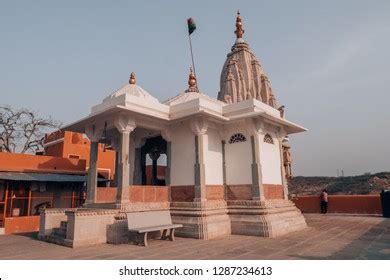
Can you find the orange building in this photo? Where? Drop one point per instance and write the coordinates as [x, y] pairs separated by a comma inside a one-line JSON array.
[[56, 179], [71, 145]]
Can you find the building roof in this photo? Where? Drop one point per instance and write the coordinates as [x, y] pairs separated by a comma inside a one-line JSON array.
[[132, 90], [45, 177], [245, 93], [41, 177]]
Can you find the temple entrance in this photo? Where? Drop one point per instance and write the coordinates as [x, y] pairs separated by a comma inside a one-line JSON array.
[[154, 161]]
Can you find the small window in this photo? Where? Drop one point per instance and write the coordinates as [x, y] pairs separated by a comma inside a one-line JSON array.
[[268, 139], [238, 137], [74, 157]]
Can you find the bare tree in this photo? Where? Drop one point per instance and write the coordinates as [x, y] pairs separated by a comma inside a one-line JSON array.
[[23, 130]]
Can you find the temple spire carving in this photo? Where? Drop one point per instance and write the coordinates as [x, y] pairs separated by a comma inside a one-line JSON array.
[[239, 30], [242, 76]]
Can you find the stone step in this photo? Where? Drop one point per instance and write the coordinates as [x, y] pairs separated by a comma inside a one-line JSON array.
[[64, 224], [60, 231], [56, 239]]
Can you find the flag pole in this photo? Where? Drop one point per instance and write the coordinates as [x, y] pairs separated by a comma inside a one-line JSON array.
[[191, 28], [192, 55]]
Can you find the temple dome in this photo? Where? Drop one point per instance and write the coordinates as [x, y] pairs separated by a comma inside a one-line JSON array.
[[133, 89], [242, 76]]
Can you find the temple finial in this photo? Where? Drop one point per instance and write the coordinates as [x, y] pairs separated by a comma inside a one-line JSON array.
[[239, 30], [132, 78], [192, 85]]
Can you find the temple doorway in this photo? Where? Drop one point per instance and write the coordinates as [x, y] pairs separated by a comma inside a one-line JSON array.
[[154, 161]]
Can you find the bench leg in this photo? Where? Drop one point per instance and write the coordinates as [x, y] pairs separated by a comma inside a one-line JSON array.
[[145, 239], [172, 235], [138, 239], [164, 235]]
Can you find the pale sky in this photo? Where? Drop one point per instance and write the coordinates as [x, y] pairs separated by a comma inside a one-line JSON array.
[[328, 62]]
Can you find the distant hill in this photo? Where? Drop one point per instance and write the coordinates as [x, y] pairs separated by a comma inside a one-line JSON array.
[[362, 184]]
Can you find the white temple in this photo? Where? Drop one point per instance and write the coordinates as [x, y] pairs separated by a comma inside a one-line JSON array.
[[227, 161]]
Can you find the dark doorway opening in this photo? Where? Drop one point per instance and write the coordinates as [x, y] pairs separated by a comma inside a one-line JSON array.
[[152, 174]]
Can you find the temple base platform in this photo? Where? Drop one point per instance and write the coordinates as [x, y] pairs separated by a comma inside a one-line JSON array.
[[270, 218], [106, 222]]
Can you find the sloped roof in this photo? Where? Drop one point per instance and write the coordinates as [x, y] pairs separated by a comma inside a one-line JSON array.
[[187, 96], [133, 90]]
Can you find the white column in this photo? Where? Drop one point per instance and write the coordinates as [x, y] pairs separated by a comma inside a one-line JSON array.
[[256, 129], [200, 171], [123, 168], [199, 128], [257, 174], [125, 126], [94, 135]]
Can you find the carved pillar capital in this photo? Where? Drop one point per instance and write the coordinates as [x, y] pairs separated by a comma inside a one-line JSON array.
[[255, 126], [199, 125], [124, 124], [281, 134], [166, 134], [94, 132]]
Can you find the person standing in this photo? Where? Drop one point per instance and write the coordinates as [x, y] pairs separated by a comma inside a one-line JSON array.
[[324, 201]]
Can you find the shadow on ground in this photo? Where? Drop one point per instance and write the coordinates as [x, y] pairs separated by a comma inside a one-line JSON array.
[[31, 235]]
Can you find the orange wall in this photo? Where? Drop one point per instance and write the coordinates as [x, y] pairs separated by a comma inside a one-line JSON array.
[[273, 191], [215, 192], [75, 144], [354, 204], [106, 195], [21, 224], [36, 163]]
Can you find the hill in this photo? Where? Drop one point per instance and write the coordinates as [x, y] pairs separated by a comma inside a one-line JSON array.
[[362, 184]]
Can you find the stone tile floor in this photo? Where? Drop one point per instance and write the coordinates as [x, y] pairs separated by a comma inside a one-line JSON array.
[[327, 237]]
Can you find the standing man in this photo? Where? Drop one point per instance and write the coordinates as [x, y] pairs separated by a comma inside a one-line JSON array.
[[324, 201]]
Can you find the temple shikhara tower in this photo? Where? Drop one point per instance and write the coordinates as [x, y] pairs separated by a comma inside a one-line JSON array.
[[227, 159]]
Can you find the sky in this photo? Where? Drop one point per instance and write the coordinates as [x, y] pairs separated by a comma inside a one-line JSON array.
[[328, 62]]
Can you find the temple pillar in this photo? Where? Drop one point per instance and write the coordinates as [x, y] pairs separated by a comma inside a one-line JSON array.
[[224, 168], [92, 173], [123, 168], [199, 128], [154, 156], [200, 172], [168, 167], [92, 179], [137, 167], [166, 134], [143, 167], [116, 176], [125, 126], [257, 180]]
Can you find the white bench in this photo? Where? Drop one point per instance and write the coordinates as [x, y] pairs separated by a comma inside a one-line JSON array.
[[144, 222]]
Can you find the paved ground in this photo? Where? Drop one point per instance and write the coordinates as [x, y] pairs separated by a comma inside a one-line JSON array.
[[327, 237]]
